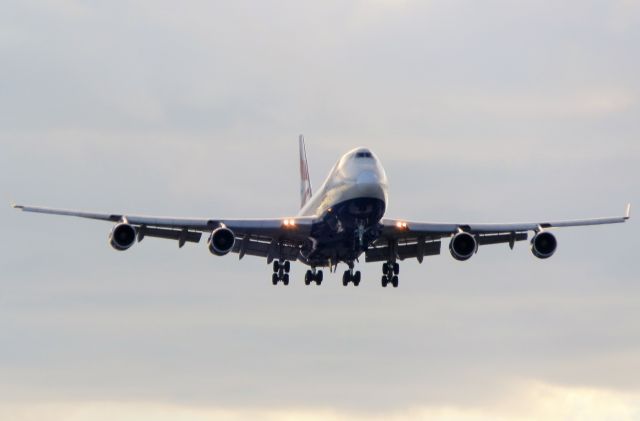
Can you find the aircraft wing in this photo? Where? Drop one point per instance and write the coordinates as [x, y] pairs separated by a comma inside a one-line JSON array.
[[419, 239], [270, 238]]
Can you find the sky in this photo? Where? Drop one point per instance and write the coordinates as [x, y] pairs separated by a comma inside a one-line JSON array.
[[488, 111]]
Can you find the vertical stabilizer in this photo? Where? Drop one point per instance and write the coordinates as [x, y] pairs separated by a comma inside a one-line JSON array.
[[305, 182]]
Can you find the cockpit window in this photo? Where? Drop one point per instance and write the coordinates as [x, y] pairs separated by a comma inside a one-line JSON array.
[[363, 155]]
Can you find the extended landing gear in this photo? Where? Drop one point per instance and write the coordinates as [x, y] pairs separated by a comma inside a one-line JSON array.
[[313, 276], [390, 271], [351, 276], [281, 272]]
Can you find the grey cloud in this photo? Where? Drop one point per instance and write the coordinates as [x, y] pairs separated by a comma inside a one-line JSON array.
[[479, 112]]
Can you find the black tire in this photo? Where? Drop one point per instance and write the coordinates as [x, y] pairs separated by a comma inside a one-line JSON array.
[[396, 269], [274, 279], [385, 268], [276, 266], [394, 282], [356, 278], [287, 266], [308, 277], [346, 278], [285, 279], [319, 277], [385, 280]]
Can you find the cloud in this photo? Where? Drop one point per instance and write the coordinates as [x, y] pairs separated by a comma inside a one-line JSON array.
[[480, 112], [580, 104], [533, 401]]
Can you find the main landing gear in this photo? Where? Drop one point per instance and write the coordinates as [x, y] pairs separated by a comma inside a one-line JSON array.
[[313, 275], [281, 272], [351, 276], [390, 271]]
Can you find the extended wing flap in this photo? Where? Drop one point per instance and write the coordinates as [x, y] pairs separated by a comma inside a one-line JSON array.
[[486, 239], [403, 251], [269, 249]]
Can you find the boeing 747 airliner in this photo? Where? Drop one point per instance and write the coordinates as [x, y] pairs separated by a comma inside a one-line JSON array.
[[341, 222]]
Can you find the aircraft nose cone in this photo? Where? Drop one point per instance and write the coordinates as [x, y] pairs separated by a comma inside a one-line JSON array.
[[367, 177]]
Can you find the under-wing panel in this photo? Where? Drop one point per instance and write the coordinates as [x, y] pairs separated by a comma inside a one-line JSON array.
[[182, 236], [486, 239]]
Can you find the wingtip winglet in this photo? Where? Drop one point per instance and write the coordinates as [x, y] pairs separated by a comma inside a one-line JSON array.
[[627, 211]]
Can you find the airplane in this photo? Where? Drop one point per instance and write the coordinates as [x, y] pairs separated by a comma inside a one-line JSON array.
[[341, 222]]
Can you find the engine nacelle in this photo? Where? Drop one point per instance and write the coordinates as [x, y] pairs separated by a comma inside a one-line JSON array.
[[122, 236], [543, 245], [462, 246], [221, 241]]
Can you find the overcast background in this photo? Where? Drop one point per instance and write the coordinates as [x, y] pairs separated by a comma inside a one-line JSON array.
[[480, 111]]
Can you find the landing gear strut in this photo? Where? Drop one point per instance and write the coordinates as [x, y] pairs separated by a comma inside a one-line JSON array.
[[390, 271], [360, 231], [313, 275], [281, 272], [351, 276]]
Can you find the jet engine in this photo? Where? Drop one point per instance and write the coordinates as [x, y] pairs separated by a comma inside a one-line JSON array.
[[122, 236], [462, 246], [543, 245], [221, 241]]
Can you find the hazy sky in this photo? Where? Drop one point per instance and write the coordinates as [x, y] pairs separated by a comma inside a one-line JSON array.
[[480, 111]]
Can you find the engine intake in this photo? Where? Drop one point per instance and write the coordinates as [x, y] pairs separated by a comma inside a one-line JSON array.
[[543, 245], [221, 241], [122, 236], [462, 246]]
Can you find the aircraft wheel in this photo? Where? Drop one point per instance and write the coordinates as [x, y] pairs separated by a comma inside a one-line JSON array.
[[274, 279], [385, 280], [287, 266], [356, 278], [394, 282], [319, 277], [346, 278], [396, 269], [285, 279], [276, 266], [385, 268], [308, 277]]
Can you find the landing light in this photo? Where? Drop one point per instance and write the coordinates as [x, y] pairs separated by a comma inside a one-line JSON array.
[[401, 225], [289, 223]]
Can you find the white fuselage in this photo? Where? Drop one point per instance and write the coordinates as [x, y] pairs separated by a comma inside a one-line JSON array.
[[357, 175]]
